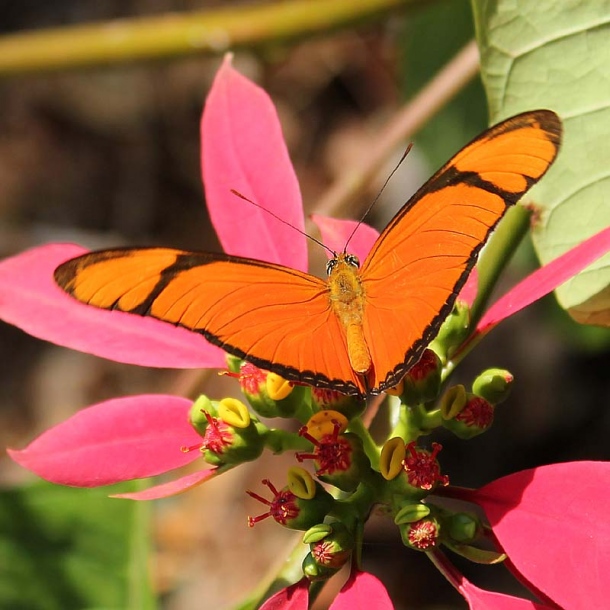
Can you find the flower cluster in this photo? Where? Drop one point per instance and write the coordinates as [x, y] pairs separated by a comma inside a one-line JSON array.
[[353, 473]]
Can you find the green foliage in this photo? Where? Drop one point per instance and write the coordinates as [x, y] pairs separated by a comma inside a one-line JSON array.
[[72, 549], [556, 55]]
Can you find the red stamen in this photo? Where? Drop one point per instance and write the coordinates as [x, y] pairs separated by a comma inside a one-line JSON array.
[[326, 397], [259, 498], [217, 435], [422, 467], [186, 449], [322, 552], [427, 364], [332, 453], [477, 412], [282, 508], [251, 378], [423, 534], [305, 434]]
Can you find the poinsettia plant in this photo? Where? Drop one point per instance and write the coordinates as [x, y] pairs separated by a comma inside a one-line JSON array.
[[527, 520]]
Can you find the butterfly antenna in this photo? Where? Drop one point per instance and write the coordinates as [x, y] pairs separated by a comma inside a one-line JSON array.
[[264, 209], [370, 207]]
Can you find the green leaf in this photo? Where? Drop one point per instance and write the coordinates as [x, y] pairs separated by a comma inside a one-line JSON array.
[[64, 548], [556, 54]]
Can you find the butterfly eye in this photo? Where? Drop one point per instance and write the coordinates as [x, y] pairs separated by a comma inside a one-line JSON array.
[[330, 265], [352, 260]]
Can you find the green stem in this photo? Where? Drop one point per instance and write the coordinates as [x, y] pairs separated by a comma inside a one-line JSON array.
[[496, 255], [370, 446], [179, 34], [414, 421], [279, 441], [139, 591]]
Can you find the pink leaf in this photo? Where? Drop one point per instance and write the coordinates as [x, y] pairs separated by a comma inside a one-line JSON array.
[[30, 299], [546, 279], [242, 148], [552, 522], [469, 291], [362, 591], [295, 597], [479, 599], [335, 234], [113, 441], [173, 488]]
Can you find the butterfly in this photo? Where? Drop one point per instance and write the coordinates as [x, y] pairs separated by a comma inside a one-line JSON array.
[[360, 330]]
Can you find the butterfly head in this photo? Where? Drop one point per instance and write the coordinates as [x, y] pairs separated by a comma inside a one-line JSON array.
[[338, 260]]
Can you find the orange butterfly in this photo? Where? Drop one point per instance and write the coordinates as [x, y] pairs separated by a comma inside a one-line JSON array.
[[361, 330]]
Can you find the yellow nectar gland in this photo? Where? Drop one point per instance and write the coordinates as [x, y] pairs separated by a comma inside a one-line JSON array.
[[324, 422], [301, 483], [234, 413], [392, 458], [277, 387]]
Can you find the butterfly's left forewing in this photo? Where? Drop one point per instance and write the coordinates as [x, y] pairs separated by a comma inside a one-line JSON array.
[[275, 317], [417, 266]]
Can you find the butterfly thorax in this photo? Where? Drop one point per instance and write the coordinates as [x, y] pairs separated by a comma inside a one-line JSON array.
[[347, 298]]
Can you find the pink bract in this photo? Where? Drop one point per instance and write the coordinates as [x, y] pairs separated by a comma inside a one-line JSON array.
[[552, 521], [112, 441], [335, 234], [30, 299], [544, 280], [295, 597], [362, 591], [242, 148]]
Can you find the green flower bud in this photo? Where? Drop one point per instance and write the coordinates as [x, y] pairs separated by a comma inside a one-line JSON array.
[[475, 417], [317, 532], [197, 414], [229, 434], [292, 511], [411, 513], [315, 571], [423, 380], [422, 535], [349, 406], [339, 457], [452, 332], [494, 385], [462, 527], [269, 394], [335, 548], [233, 364]]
